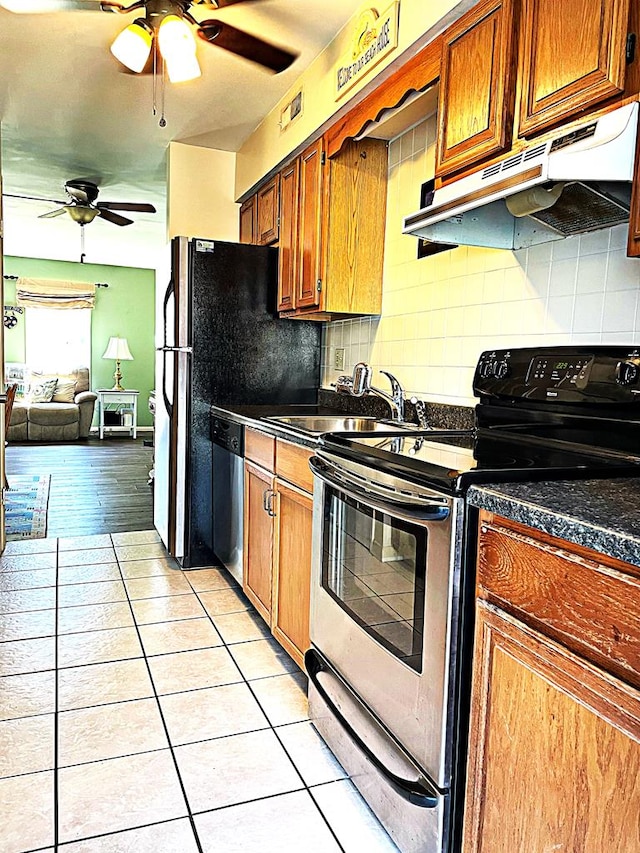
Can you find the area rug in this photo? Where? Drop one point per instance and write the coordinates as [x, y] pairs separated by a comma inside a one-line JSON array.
[[25, 505]]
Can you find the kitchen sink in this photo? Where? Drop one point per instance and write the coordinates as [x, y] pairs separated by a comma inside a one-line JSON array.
[[318, 424]]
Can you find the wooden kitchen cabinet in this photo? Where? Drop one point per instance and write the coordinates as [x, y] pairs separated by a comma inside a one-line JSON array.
[[287, 261], [278, 513], [554, 748], [258, 537], [292, 570], [308, 278], [332, 225], [248, 221], [572, 57], [477, 95], [268, 212]]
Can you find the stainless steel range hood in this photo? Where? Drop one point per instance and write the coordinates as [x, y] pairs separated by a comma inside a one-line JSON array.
[[578, 181]]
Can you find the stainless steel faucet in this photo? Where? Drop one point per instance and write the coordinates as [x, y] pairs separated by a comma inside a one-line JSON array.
[[360, 384]]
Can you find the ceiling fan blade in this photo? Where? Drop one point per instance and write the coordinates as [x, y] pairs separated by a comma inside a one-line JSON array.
[[34, 198], [123, 205], [114, 217], [32, 7], [50, 215], [247, 46]]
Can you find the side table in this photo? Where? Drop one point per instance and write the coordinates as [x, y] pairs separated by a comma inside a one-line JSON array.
[[117, 400]]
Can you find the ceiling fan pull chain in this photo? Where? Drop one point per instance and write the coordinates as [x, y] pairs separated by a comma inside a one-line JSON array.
[[82, 252], [163, 69]]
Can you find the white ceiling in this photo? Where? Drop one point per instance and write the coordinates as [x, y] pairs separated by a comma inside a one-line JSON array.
[[67, 111]]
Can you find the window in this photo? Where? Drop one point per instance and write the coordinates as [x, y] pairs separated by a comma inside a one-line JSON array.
[[58, 340]]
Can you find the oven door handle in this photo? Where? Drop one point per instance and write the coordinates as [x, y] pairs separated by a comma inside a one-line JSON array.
[[399, 509], [418, 792]]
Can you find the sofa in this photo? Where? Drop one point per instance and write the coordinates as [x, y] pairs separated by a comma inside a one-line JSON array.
[[56, 407]]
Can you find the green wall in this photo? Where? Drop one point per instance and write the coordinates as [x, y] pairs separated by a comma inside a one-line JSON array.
[[125, 309]]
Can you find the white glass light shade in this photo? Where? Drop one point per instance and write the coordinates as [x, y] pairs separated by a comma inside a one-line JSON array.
[[133, 45], [118, 349], [178, 48]]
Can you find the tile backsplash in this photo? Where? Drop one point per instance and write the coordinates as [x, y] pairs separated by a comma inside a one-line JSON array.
[[439, 313]]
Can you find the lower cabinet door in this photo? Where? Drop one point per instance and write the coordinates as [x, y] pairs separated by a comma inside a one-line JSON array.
[[258, 537], [292, 570], [554, 751]]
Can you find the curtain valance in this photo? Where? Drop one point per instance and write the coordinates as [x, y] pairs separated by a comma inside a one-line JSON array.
[[52, 293]]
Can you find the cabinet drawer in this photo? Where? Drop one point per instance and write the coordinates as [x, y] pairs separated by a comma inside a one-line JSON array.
[[292, 464], [259, 447], [587, 602]]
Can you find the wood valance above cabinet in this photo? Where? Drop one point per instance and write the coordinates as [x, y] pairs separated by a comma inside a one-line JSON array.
[[416, 75]]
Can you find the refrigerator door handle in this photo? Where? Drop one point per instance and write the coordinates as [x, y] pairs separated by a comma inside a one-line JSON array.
[[169, 292], [175, 349], [167, 402]]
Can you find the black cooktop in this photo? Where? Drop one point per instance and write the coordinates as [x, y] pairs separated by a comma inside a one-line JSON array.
[[455, 460]]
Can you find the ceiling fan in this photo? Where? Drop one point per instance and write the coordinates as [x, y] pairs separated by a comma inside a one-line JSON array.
[[83, 208], [166, 28]]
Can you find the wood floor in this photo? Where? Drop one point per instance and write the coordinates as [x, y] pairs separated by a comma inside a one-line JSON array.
[[96, 486]]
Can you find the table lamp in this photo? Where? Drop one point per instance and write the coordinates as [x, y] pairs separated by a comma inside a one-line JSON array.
[[118, 349]]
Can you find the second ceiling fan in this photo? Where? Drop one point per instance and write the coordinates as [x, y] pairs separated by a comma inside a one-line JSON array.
[[167, 28]]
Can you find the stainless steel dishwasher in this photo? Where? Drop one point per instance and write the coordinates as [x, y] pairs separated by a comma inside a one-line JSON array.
[[227, 439]]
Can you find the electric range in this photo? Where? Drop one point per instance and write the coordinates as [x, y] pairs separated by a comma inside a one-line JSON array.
[[392, 593]]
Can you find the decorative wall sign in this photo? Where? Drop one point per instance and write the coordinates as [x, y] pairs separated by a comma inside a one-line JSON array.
[[375, 36], [10, 318]]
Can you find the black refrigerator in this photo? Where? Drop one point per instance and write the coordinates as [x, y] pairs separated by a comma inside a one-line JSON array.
[[218, 340]]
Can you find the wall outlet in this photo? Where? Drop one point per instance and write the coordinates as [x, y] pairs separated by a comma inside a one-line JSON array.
[[339, 358]]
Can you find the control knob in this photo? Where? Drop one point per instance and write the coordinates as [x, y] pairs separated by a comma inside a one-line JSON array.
[[486, 369], [627, 372], [234, 443], [501, 369]]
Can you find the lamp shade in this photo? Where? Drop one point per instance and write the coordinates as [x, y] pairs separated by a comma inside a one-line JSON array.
[[178, 48], [118, 349], [133, 46]]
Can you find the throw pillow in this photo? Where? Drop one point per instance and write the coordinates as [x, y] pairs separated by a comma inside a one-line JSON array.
[[65, 392], [42, 392]]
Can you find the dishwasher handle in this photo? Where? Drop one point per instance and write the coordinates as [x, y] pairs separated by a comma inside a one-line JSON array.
[[432, 510], [419, 792]]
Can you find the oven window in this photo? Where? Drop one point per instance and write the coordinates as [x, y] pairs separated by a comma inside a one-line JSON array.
[[373, 566]]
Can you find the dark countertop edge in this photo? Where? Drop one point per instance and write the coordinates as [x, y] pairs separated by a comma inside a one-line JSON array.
[[612, 538], [255, 421]]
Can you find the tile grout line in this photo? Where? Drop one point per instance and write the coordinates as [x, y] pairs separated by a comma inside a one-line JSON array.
[[56, 805], [159, 705], [272, 727]]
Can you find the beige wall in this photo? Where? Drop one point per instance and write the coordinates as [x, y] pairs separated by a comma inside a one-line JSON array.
[[200, 193], [420, 21], [440, 313]]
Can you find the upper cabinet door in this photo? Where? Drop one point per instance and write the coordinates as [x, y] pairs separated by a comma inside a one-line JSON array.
[[572, 57], [309, 277], [248, 220], [268, 216], [287, 265], [475, 106]]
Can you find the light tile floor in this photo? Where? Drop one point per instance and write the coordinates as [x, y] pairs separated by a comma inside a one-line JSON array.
[[143, 709]]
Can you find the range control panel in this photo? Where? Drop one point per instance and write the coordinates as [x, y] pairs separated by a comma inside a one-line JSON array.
[[599, 374]]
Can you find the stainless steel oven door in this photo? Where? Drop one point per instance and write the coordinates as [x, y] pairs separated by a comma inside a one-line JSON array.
[[384, 597]]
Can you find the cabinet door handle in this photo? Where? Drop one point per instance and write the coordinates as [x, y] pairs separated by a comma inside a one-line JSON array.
[[269, 507], [264, 500]]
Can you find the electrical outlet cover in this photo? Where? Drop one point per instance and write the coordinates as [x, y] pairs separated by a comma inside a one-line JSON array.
[[339, 359]]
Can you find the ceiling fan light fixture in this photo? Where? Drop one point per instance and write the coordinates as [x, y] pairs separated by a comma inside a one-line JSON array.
[[80, 214], [178, 48], [133, 45]]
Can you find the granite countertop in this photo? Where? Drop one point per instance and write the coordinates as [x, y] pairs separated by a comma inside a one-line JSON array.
[[440, 416], [603, 515], [254, 416]]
